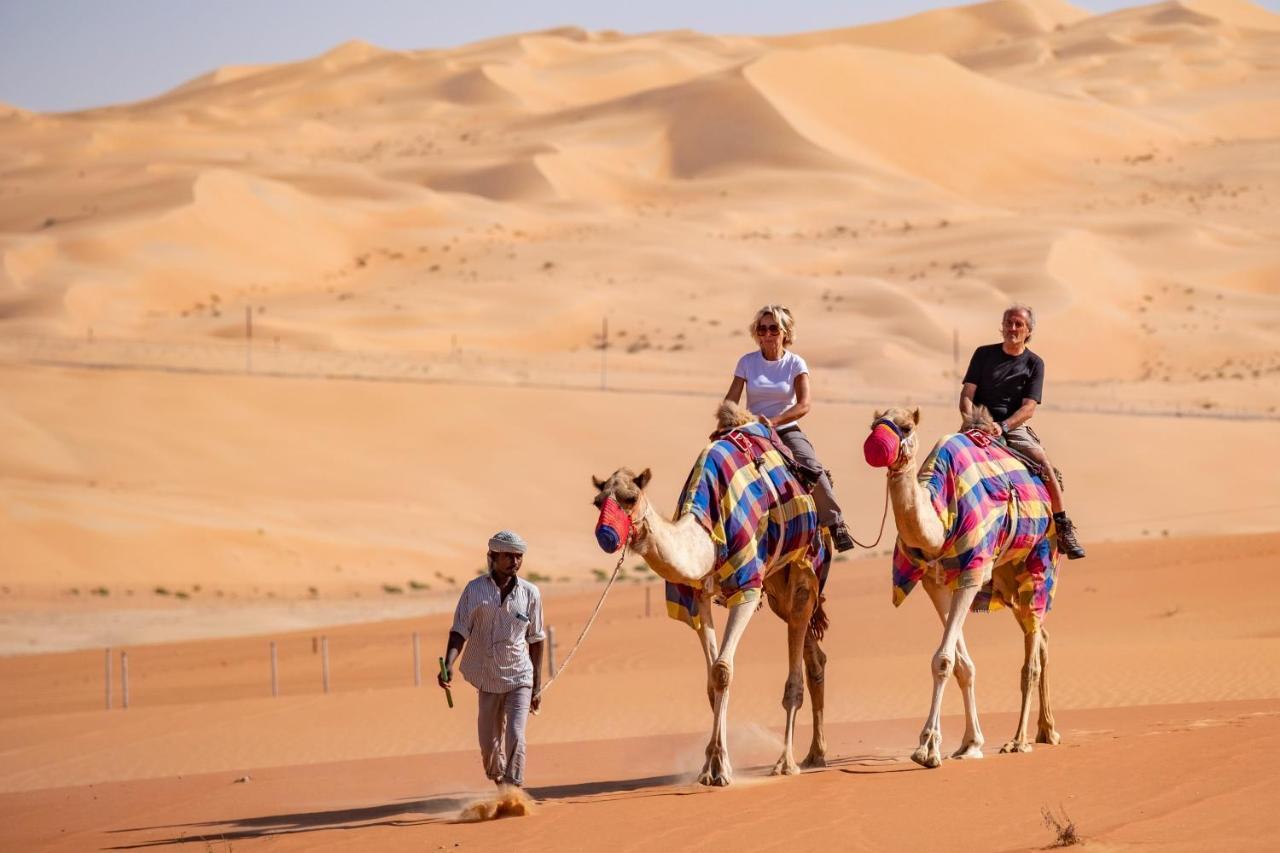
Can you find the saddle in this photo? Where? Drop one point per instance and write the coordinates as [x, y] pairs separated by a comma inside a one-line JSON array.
[[982, 439], [754, 446]]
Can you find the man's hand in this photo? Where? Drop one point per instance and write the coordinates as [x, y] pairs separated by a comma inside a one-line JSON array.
[[535, 704], [995, 430], [444, 678]]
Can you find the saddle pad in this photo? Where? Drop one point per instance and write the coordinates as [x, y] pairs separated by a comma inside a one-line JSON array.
[[992, 511], [727, 493]]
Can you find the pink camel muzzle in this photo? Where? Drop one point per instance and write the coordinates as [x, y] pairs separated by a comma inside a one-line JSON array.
[[882, 446]]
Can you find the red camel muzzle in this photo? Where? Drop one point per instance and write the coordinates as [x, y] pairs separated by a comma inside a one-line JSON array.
[[613, 527]]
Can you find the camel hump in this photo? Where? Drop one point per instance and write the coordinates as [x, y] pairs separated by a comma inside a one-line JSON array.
[[731, 414]]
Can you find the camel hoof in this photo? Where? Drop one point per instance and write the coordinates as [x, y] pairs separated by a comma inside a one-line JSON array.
[[812, 761], [968, 753], [717, 772], [1015, 746], [785, 768], [926, 757], [1049, 736]]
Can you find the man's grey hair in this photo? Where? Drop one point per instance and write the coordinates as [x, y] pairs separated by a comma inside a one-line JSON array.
[[1025, 310]]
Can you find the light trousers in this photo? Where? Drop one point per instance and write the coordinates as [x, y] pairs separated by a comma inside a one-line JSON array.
[[500, 726]]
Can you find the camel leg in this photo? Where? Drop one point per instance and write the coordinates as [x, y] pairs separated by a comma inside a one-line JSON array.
[[707, 636], [1030, 675], [1046, 732], [966, 676], [803, 596], [815, 664], [717, 770], [929, 753]]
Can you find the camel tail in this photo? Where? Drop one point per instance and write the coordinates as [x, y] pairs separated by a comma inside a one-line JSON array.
[[729, 415]]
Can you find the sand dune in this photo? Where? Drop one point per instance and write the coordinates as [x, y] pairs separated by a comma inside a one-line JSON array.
[[950, 31], [942, 122]]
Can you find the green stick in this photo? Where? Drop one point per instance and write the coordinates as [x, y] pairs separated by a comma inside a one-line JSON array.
[[448, 694]]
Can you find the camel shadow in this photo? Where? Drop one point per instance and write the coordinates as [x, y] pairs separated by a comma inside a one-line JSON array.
[[406, 813], [439, 809]]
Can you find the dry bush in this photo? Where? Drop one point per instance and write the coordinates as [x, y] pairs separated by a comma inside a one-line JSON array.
[[1064, 829]]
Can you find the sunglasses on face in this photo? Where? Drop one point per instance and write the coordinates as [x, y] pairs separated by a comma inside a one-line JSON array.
[[771, 329]]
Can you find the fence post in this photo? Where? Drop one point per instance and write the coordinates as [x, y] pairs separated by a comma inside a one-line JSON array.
[[107, 664], [647, 589], [275, 682], [324, 661], [417, 662], [551, 652], [604, 353], [124, 679]]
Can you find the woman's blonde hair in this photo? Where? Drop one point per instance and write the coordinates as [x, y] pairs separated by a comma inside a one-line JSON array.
[[786, 323]]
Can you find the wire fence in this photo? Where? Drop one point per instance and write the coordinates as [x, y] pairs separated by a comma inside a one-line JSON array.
[[586, 369]]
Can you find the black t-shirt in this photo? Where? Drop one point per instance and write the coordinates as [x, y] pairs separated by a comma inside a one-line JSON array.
[[1004, 380]]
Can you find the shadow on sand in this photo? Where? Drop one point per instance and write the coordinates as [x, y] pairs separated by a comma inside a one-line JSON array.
[[444, 808]]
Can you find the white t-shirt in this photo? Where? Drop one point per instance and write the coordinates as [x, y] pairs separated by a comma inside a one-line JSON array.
[[771, 385]]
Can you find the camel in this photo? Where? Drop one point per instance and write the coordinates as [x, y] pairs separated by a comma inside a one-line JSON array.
[[1010, 560], [684, 553]]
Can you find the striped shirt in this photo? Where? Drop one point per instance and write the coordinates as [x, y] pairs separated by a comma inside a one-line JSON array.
[[498, 633]]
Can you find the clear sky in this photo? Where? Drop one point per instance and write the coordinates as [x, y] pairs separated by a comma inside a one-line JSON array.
[[71, 54]]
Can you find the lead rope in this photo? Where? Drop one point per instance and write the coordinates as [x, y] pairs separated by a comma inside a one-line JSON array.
[[883, 517], [585, 628]]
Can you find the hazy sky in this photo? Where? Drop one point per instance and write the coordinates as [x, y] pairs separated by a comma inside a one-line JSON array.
[[69, 54]]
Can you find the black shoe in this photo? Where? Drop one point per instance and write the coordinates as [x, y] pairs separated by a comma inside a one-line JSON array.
[[1067, 542], [840, 537]]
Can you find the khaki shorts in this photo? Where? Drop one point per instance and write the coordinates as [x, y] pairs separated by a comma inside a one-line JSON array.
[[1024, 440]]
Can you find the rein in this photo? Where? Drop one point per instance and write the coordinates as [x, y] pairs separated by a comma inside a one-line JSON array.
[[622, 554]]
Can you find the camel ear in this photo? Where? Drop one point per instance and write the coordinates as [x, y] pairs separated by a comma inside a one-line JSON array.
[[642, 479], [880, 413], [915, 415], [597, 482]]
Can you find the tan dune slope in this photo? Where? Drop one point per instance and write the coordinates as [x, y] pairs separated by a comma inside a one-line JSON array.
[[940, 121], [950, 31]]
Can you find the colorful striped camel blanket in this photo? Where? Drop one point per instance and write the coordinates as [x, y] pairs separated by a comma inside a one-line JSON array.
[[727, 493], [993, 511]]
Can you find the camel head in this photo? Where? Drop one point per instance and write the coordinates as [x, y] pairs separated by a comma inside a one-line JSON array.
[[892, 442], [618, 499]]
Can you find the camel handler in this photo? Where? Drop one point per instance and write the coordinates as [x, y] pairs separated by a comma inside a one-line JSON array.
[[499, 620], [1008, 379]]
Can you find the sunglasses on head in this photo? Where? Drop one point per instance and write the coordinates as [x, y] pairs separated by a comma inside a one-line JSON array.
[[769, 329]]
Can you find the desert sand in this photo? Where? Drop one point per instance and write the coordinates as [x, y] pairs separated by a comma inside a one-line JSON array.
[[280, 348]]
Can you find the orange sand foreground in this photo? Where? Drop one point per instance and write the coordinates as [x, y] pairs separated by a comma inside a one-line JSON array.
[[281, 348], [1166, 684]]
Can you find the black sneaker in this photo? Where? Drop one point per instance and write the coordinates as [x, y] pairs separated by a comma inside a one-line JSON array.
[[842, 540], [1067, 542]]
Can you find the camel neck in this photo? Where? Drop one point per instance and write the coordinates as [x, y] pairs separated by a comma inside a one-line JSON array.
[[679, 551], [918, 524]]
